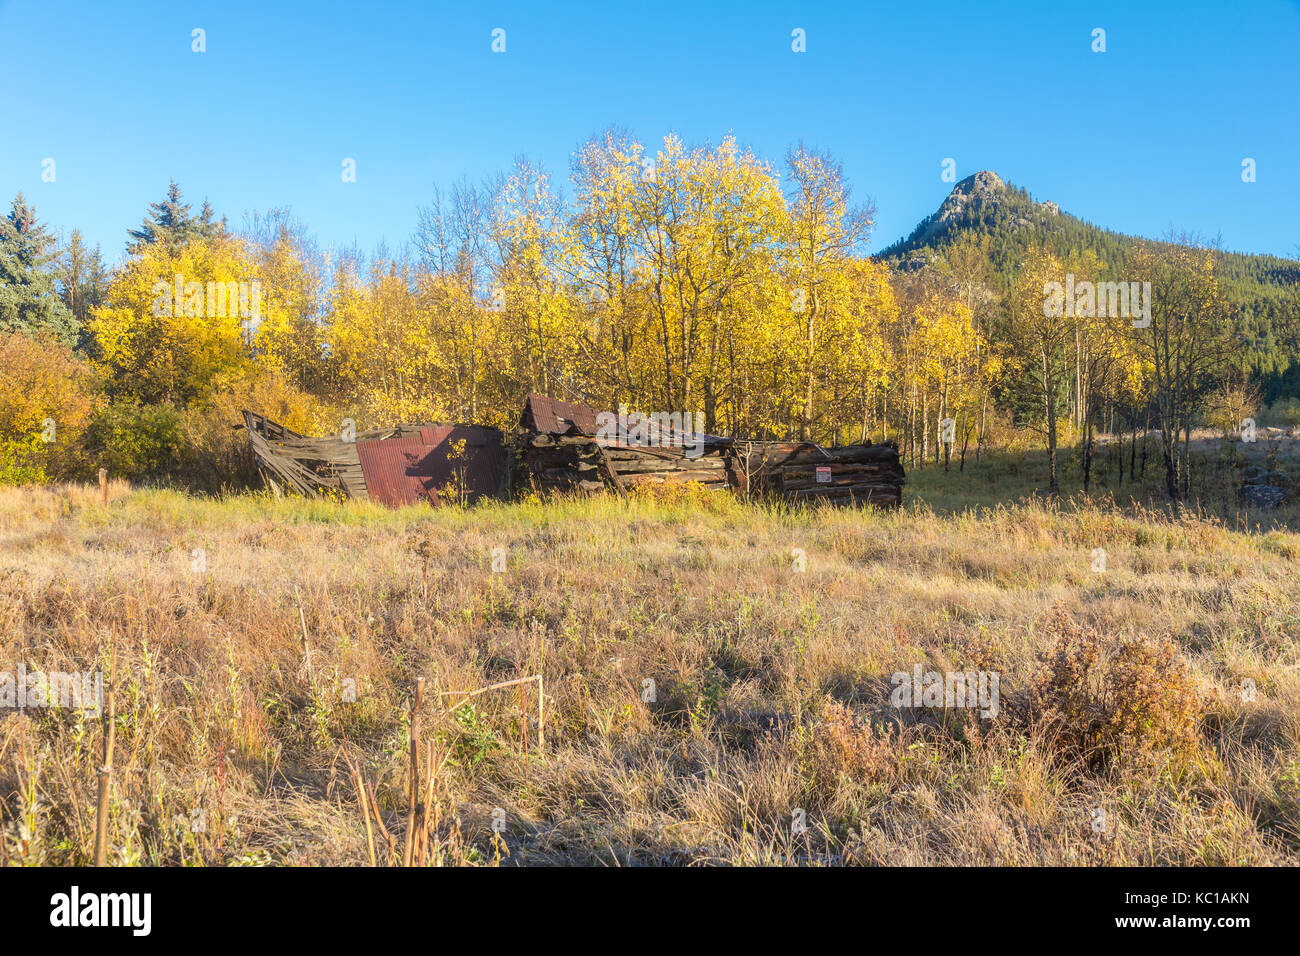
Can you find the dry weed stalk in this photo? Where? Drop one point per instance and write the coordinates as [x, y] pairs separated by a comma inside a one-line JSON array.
[[468, 695], [105, 778], [354, 773], [413, 811], [389, 841], [306, 647]]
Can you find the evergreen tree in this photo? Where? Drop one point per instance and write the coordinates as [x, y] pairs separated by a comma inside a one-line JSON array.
[[82, 282], [29, 300], [169, 222], [208, 224]]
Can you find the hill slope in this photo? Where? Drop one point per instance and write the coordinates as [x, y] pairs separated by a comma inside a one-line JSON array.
[[983, 205]]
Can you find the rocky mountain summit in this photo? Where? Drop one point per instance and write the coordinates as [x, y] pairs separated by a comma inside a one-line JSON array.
[[982, 197]]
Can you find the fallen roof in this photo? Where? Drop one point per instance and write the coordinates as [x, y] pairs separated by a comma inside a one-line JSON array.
[[445, 459], [394, 466], [551, 416]]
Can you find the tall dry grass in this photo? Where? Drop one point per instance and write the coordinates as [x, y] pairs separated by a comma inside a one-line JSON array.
[[238, 630]]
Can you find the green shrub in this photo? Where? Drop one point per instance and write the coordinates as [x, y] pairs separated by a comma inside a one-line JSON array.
[[18, 462], [1284, 413], [135, 441]]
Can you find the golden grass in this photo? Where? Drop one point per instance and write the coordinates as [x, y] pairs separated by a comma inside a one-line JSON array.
[[772, 686]]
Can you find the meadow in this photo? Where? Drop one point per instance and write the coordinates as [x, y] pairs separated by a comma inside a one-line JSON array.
[[716, 678]]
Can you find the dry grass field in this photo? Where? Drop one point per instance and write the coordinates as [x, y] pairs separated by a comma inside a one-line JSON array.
[[238, 631]]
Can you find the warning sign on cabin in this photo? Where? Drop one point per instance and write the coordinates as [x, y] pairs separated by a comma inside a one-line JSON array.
[[824, 474]]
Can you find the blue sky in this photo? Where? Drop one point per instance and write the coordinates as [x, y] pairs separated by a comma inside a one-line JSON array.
[[1148, 136]]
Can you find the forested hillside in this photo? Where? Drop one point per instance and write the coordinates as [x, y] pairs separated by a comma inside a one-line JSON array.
[[1006, 222]]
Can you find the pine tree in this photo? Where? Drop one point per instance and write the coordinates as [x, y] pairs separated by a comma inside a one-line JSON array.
[[29, 300], [169, 222], [207, 224], [82, 281]]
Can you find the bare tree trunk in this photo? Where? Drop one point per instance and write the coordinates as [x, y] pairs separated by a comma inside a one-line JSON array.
[[1122, 426], [1169, 450], [1049, 411], [1145, 433], [1087, 452], [965, 443], [1132, 449]]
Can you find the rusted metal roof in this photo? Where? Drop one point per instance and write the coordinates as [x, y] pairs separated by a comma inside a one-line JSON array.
[[424, 467], [550, 416], [395, 466], [554, 417]]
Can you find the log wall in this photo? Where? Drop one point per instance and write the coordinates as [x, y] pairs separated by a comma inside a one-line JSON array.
[[794, 471]]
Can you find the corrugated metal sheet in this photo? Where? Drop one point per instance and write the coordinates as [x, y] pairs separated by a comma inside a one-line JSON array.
[[553, 417], [422, 467], [550, 416]]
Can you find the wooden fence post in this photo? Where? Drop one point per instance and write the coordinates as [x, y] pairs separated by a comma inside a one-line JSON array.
[[105, 779], [408, 854]]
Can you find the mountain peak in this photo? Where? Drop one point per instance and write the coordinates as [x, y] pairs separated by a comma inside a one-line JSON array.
[[984, 182], [984, 186], [982, 197]]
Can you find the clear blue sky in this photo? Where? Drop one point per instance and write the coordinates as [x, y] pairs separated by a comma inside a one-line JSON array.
[[1147, 136]]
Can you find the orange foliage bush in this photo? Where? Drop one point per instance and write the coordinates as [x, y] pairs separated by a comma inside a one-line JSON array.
[[1134, 699]]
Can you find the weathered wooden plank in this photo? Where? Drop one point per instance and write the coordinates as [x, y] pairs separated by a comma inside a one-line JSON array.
[[700, 464]]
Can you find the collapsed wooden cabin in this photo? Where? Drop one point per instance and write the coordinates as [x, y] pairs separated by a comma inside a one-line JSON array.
[[799, 471], [567, 463], [565, 448], [393, 466]]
